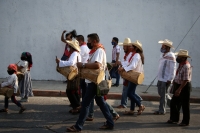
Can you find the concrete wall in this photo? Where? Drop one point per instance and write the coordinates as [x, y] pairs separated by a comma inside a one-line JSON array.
[[36, 26]]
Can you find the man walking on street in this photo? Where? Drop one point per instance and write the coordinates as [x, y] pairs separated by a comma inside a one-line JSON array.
[[166, 73]]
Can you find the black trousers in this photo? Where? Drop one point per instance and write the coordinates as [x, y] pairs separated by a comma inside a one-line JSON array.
[[74, 98], [183, 100], [72, 92]]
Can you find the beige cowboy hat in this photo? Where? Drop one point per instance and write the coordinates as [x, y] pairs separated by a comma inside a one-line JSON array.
[[126, 42], [166, 42], [74, 44], [182, 53], [138, 44]]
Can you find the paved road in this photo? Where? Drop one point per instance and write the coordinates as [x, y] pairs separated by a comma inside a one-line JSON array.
[[50, 114]]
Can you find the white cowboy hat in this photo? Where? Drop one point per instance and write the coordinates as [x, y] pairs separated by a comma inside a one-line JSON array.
[[138, 44], [166, 42], [126, 42], [182, 53], [74, 44]]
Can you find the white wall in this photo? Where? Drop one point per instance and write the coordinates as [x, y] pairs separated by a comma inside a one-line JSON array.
[[36, 26]]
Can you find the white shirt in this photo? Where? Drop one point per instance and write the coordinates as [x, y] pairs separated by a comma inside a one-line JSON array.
[[98, 56], [72, 60], [24, 64], [126, 62], [12, 81], [84, 53], [115, 50], [167, 67], [135, 64]]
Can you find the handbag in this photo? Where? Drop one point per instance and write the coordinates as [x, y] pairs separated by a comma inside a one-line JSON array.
[[104, 86]]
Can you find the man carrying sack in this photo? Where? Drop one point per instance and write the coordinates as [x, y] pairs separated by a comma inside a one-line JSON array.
[[72, 90], [97, 60], [181, 90], [166, 73]]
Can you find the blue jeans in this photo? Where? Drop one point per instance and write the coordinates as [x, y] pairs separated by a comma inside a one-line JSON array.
[[83, 86], [111, 109], [133, 96], [89, 96], [124, 99], [114, 71]]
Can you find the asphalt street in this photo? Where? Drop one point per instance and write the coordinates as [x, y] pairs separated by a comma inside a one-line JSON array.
[[50, 114]]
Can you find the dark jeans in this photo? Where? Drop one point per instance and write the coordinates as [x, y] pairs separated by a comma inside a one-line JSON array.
[[114, 73], [183, 100], [73, 97], [89, 96], [13, 100], [133, 96], [83, 86]]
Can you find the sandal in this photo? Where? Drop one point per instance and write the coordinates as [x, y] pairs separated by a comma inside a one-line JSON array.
[[141, 109], [75, 111], [72, 129], [129, 112], [22, 110], [4, 110], [70, 111]]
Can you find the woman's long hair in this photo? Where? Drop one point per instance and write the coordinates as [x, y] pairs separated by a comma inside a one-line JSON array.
[[140, 52]]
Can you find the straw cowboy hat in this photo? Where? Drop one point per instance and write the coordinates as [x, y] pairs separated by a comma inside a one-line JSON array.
[[137, 44], [182, 53], [126, 42], [166, 42], [74, 44]]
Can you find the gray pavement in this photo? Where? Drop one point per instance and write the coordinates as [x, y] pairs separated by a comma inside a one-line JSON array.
[[50, 114]]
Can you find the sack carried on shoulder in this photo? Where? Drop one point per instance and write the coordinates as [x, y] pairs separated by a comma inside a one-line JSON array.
[[133, 76], [6, 91], [69, 72], [104, 86]]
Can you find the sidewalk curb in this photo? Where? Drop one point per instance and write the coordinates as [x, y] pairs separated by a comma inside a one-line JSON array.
[[117, 96]]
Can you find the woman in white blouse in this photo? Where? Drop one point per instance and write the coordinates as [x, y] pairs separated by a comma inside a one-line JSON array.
[[136, 64], [72, 85]]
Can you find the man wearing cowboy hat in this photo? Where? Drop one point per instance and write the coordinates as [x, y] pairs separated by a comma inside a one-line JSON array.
[[127, 46], [72, 85], [166, 73], [181, 90]]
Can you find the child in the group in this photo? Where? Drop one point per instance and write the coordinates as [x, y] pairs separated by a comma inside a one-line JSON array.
[[25, 85], [12, 83]]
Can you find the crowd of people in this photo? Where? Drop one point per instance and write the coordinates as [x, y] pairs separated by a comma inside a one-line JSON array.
[[92, 55]]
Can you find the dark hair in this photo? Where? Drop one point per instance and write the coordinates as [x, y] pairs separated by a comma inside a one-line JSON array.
[[94, 36], [28, 57], [80, 37], [73, 34], [116, 39], [140, 52]]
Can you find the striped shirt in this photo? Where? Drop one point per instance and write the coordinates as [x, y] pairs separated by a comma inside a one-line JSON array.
[[185, 73]]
